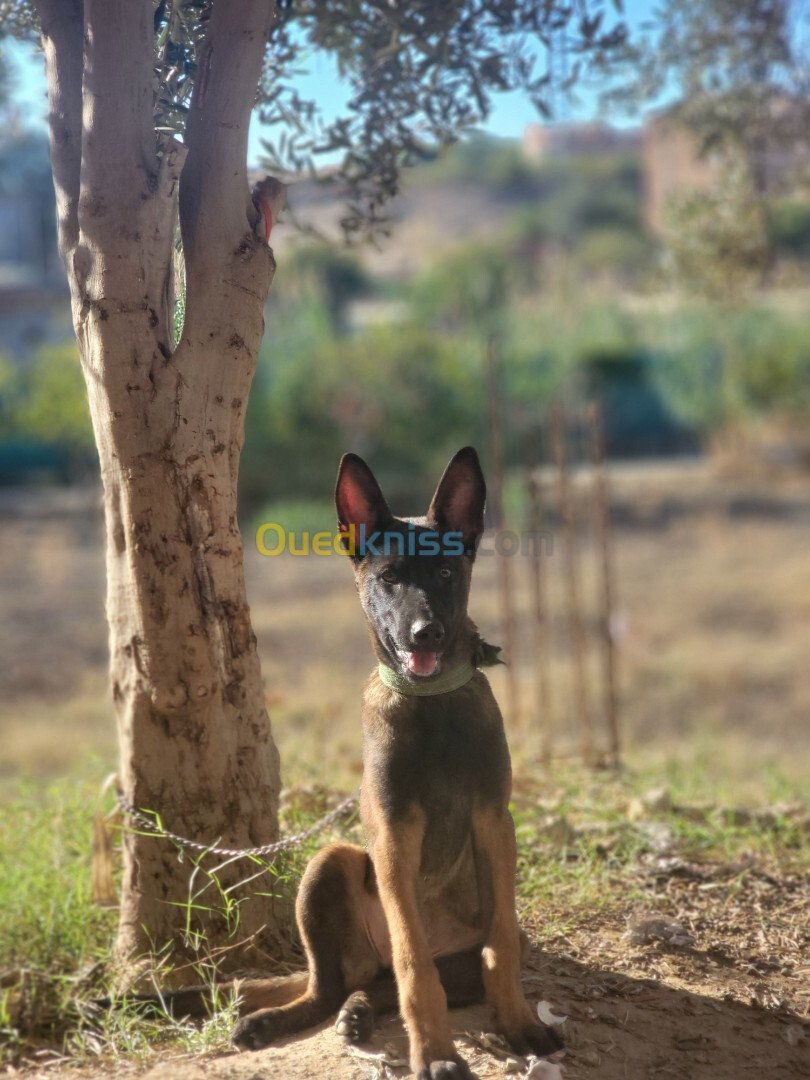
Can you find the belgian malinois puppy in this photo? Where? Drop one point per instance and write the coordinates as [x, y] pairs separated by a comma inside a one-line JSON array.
[[432, 897]]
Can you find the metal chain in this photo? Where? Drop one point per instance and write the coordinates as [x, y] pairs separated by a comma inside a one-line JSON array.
[[266, 849]]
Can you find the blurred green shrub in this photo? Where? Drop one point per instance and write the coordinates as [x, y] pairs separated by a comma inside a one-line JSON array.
[[408, 395], [320, 273], [52, 400], [582, 192], [44, 418], [619, 254], [774, 356], [718, 239], [469, 289], [789, 226], [715, 371]]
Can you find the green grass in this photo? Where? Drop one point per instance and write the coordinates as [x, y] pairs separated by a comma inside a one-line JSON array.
[[582, 840], [56, 943], [582, 837], [125, 1033], [53, 939]]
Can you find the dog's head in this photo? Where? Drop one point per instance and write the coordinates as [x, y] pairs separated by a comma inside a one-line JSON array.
[[413, 574]]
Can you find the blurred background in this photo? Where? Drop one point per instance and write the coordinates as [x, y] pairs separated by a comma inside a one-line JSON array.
[[613, 306]]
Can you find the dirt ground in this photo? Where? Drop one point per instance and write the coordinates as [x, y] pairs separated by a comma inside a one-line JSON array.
[[725, 1008], [714, 584], [733, 1003]]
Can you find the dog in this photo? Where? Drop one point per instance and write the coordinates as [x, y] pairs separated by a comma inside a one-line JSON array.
[[432, 896]]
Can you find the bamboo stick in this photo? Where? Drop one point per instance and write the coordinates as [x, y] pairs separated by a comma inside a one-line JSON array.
[[608, 582], [571, 570], [496, 504], [541, 637]]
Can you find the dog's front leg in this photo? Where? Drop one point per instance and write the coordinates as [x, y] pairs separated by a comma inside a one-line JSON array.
[[496, 863], [396, 855]]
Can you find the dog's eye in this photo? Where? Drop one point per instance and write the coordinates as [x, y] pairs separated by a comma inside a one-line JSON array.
[[389, 576], [445, 572]]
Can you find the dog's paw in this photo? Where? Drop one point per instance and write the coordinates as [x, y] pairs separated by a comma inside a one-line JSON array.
[[534, 1039], [355, 1022], [256, 1030], [456, 1069]]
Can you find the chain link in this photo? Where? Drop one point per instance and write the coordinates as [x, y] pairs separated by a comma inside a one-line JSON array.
[[266, 849]]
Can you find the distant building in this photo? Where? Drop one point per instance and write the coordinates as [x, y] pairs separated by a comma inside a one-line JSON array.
[[673, 166], [544, 141]]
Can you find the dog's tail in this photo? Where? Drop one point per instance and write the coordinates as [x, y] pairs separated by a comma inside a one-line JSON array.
[[199, 1002], [265, 1025]]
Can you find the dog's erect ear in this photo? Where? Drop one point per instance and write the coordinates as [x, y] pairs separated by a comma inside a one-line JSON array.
[[358, 498], [458, 505]]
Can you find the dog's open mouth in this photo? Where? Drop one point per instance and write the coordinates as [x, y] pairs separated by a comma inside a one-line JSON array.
[[420, 664], [415, 663]]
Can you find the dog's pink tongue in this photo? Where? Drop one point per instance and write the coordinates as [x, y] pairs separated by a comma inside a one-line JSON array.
[[422, 663]]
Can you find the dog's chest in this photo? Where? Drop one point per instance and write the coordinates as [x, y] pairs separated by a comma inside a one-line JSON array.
[[443, 761]]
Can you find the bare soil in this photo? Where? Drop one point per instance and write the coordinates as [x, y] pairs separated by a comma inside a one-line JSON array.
[[724, 1009]]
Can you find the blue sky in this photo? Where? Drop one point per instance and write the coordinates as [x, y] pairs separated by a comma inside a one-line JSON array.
[[510, 114]]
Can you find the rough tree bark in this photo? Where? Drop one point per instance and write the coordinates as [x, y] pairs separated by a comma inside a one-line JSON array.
[[195, 737]]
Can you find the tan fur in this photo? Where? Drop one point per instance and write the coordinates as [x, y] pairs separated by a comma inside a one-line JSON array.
[[268, 993]]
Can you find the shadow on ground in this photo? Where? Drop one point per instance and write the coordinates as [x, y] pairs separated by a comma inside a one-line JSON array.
[[618, 1028]]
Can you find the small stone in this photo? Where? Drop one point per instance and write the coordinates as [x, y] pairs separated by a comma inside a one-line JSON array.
[[657, 800], [794, 1034], [635, 810]]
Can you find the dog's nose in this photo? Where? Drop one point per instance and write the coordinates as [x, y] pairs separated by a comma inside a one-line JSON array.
[[427, 631]]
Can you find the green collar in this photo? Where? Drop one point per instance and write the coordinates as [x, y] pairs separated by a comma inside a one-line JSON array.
[[445, 683]]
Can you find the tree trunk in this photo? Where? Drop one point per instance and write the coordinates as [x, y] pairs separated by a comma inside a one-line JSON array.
[[195, 737]]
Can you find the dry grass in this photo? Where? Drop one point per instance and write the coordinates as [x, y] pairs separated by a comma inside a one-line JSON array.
[[714, 595]]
